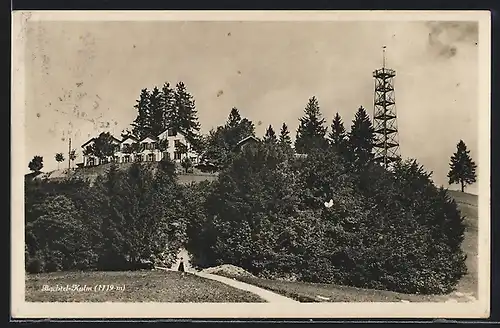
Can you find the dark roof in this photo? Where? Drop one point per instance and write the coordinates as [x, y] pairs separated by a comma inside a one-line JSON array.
[[149, 136], [166, 129], [85, 144], [129, 137], [244, 140], [116, 139]]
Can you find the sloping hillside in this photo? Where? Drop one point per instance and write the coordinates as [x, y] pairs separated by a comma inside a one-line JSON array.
[[468, 204], [92, 173]]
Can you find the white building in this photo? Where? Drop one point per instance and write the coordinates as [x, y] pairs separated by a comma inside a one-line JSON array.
[[167, 144]]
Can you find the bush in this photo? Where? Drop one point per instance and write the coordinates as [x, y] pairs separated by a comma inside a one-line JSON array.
[[140, 216], [383, 230], [123, 218], [34, 265]]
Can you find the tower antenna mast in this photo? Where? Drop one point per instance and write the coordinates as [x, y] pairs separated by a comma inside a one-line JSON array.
[[386, 144], [383, 56], [69, 155]]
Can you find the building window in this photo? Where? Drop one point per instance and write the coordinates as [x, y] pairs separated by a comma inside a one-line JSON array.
[[91, 162], [151, 157], [163, 144], [116, 159], [138, 158], [126, 159], [171, 133], [177, 143], [177, 155], [166, 155]]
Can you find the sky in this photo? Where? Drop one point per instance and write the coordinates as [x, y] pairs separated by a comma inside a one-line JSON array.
[[83, 77]]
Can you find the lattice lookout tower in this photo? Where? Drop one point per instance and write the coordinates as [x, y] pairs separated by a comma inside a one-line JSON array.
[[386, 145]]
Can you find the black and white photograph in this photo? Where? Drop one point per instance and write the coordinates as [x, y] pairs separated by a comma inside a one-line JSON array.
[[335, 164]]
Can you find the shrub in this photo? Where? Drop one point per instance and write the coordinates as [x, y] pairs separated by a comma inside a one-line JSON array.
[[140, 216], [34, 265], [385, 230]]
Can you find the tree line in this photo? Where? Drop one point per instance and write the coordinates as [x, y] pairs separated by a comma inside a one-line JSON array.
[[333, 216], [174, 108]]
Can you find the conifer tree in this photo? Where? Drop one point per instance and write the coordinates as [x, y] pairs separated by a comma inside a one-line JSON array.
[[237, 128], [221, 142], [233, 119], [362, 136], [338, 134], [186, 111], [170, 114], [142, 124], [270, 136], [111, 247], [462, 167], [285, 139], [311, 131], [156, 112]]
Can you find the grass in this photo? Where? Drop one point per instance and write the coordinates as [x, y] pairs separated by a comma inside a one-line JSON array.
[[93, 172], [467, 203], [138, 286], [312, 292]]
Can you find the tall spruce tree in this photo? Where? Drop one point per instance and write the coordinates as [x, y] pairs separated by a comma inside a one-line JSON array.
[[142, 124], [233, 119], [156, 112], [237, 128], [338, 133], [170, 114], [186, 111], [311, 131], [462, 167], [270, 136], [221, 142], [361, 136], [284, 138], [110, 253]]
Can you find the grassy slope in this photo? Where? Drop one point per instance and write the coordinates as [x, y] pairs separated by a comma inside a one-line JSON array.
[[140, 286], [91, 173], [309, 292], [467, 204]]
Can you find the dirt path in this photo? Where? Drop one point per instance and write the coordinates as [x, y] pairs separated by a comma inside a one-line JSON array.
[[263, 293]]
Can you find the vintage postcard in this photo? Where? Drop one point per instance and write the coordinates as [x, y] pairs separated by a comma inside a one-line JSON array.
[[203, 164]]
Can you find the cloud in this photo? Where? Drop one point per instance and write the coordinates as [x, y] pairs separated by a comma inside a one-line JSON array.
[[445, 37]]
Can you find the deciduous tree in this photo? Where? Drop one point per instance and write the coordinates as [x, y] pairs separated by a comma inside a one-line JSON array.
[[36, 164], [59, 159]]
